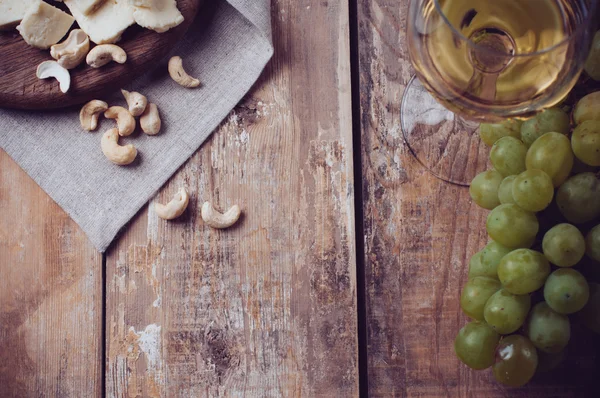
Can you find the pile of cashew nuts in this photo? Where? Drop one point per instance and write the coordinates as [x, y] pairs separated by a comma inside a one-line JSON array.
[[211, 217], [137, 106], [76, 48]]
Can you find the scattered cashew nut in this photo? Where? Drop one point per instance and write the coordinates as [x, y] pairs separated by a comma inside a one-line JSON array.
[[215, 219], [73, 50], [125, 122], [88, 116], [121, 155], [52, 69], [180, 75], [175, 207], [135, 101], [150, 120], [105, 53]]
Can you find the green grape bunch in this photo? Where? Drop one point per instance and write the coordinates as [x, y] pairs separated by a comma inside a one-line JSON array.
[[528, 284]]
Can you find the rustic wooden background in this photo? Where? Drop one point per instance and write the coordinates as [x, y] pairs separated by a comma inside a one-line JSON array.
[[283, 303]]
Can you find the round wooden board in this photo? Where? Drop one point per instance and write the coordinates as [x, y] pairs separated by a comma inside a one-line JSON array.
[[20, 88]]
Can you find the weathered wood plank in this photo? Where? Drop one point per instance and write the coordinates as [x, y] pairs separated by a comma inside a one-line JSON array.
[[419, 234], [50, 296], [267, 308]]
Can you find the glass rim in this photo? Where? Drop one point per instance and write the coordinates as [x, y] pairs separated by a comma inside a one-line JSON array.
[[583, 26]]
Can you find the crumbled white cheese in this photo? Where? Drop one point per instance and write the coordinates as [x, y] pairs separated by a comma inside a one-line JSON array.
[[12, 12], [107, 23], [44, 25], [158, 15], [88, 6]]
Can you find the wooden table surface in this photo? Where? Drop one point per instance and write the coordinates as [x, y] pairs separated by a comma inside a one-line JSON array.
[[342, 279]]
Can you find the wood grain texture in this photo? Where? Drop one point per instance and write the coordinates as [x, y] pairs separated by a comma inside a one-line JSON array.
[[268, 307], [20, 88], [50, 296], [419, 234]]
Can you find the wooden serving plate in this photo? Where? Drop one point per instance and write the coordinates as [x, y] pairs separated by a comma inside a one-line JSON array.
[[20, 88]]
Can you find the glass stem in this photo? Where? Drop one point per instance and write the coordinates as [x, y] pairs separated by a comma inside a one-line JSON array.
[[483, 85]]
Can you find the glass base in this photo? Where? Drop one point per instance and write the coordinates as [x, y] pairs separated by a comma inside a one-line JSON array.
[[447, 145]]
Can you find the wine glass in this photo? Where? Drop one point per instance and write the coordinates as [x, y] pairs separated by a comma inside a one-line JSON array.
[[486, 61]]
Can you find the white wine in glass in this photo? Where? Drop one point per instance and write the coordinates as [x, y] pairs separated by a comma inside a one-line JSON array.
[[487, 61]]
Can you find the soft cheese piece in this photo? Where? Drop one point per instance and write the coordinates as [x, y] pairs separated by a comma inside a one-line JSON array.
[[107, 23], [158, 15], [87, 6], [44, 25], [12, 12]]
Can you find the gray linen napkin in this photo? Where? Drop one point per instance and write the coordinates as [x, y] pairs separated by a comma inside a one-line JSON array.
[[228, 56]]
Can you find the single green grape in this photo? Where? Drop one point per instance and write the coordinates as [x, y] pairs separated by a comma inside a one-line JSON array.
[[550, 120], [516, 361], [592, 243], [533, 190], [548, 362], [548, 330], [523, 271], [592, 64], [475, 266], [484, 189], [586, 142], [512, 226], [490, 133], [566, 291], [475, 345], [551, 153], [590, 314], [564, 245], [476, 293], [508, 156], [578, 199], [491, 255], [505, 312], [588, 108], [505, 190]]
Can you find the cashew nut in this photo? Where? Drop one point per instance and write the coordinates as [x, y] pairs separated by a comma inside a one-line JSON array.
[[121, 155], [215, 219], [175, 207], [88, 116], [150, 120], [52, 69], [125, 122], [73, 50], [180, 75], [136, 102], [104, 53]]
